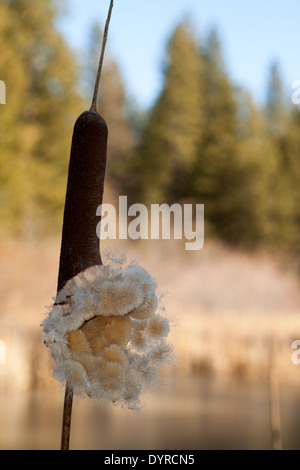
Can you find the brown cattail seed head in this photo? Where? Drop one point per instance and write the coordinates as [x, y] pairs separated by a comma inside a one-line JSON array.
[[80, 244]]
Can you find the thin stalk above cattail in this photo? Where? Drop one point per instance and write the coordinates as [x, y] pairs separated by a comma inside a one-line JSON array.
[[97, 83]]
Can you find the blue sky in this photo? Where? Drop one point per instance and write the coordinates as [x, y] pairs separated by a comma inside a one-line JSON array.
[[253, 34]]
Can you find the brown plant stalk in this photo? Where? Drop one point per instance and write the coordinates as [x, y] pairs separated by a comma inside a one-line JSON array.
[[274, 397], [80, 246]]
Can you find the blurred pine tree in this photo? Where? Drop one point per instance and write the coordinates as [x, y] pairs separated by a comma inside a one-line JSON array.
[[36, 124], [168, 150], [204, 140], [216, 174]]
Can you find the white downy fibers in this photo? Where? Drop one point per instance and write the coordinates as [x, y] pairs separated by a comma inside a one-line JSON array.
[[106, 333]]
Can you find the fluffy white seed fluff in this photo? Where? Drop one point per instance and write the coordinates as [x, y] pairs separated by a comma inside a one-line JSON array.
[[106, 334]]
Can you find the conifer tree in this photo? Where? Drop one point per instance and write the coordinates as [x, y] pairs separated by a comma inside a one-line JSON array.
[[281, 125], [275, 103], [216, 174], [40, 73], [170, 141]]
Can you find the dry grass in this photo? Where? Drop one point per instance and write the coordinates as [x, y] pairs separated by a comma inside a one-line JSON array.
[[223, 306]]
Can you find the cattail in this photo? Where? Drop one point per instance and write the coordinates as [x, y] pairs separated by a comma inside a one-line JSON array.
[[80, 245], [103, 331]]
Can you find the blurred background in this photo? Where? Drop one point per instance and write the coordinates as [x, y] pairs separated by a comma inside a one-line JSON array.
[[198, 101]]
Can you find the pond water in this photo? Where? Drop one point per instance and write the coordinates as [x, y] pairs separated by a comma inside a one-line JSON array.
[[188, 414]]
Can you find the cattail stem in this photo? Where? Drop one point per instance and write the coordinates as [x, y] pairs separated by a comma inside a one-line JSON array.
[[95, 97], [275, 420], [80, 245], [67, 415]]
